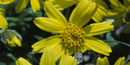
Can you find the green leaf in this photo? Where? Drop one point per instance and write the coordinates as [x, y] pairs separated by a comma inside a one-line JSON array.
[[28, 19], [11, 56], [38, 37], [110, 38], [2, 63], [14, 63]]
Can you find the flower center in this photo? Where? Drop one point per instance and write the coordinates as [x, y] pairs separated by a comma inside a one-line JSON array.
[[72, 36]]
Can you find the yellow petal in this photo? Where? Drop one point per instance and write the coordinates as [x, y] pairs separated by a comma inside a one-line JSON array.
[[21, 5], [52, 12], [114, 14], [101, 3], [98, 16], [57, 49], [83, 12], [127, 3], [14, 42], [49, 24], [126, 28], [40, 46], [11, 43], [106, 61], [68, 60], [41, 2], [120, 10], [35, 5], [48, 57], [3, 23], [22, 61], [97, 45], [120, 61], [101, 11], [117, 22], [5, 2], [98, 28], [61, 4], [117, 4], [17, 41], [2, 11], [128, 63], [99, 61], [102, 61]]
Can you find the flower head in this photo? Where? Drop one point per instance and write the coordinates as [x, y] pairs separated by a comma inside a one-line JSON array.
[[11, 38], [121, 14], [48, 58], [104, 61], [73, 36]]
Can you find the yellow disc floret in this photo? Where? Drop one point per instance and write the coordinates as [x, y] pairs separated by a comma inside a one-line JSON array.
[[72, 36]]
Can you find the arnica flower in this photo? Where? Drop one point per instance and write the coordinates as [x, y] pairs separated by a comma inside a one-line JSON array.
[[10, 38], [3, 22], [101, 10], [5, 2], [59, 4], [73, 36], [121, 14], [48, 58], [104, 61]]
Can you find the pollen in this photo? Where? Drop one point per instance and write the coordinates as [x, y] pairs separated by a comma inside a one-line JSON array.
[[72, 36]]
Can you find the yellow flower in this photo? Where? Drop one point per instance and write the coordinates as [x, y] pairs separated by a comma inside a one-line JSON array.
[[5, 2], [121, 14], [73, 36], [11, 37], [101, 10], [3, 22], [104, 61], [59, 4], [48, 58], [22, 61]]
